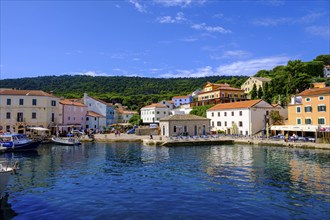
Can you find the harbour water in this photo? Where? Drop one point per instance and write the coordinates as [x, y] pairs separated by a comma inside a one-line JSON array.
[[132, 181]]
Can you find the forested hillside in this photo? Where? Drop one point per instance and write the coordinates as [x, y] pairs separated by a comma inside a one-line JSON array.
[[137, 92], [134, 92]]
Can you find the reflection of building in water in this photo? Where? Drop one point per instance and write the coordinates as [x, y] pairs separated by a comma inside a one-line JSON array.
[[310, 174], [222, 158], [152, 154]]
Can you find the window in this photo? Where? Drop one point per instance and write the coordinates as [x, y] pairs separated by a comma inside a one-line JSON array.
[[240, 124], [212, 123], [321, 121], [8, 115], [321, 108], [8, 101], [308, 109], [21, 101], [225, 113], [185, 128], [34, 102], [53, 103], [321, 98], [218, 114], [87, 119], [69, 118], [240, 113], [298, 121], [212, 114], [308, 121], [157, 112], [174, 129], [225, 124], [219, 123], [34, 115], [298, 109], [232, 113], [308, 99], [53, 117]]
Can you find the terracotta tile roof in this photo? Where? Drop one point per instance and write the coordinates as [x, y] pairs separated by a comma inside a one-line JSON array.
[[154, 105], [94, 114], [183, 118], [181, 97], [71, 102], [233, 105], [24, 92], [317, 91], [228, 88]]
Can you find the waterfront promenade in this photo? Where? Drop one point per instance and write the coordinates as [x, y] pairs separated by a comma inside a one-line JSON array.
[[158, 140]]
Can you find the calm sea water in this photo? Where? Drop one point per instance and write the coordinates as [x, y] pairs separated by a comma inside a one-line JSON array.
[[132, 181]]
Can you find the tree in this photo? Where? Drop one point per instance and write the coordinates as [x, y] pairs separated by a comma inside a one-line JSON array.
[[266, 93], [325, 58], [200, 110], [260, 93], [135, 120], [254, 92], [276, 118]]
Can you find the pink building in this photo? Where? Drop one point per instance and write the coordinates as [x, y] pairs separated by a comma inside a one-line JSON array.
[[72, 115]]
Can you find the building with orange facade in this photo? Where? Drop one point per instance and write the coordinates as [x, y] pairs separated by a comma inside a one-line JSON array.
[[214, 93], [309, 114]]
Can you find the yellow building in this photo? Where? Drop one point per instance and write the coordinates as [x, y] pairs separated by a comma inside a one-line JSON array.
[[20, 109], [247, 86], [309, 114], [213, 93]]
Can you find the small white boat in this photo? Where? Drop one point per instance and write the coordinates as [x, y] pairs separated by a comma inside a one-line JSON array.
[[5, 172], [66, 140]]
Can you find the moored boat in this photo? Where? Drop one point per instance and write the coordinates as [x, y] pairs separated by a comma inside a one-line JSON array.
[[66, 140], [17, 142]]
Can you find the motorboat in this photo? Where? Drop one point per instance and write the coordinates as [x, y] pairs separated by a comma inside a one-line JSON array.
[[5, 172], [66, 140], [17, 142]]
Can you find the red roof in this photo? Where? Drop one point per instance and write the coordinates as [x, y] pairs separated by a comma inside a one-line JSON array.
[[154, 105], [71, 102], [233, 105], [24, 92], [317, 91], [94, 114]]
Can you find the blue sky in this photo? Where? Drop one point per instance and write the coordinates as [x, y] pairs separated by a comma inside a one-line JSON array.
[[158, 38]]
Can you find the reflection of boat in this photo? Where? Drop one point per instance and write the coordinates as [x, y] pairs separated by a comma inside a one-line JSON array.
[[5, 171], [66, 140], [14, 142]]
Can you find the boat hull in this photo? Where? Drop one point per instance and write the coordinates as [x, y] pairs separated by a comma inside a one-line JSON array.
[[22, 147], [65, 142]]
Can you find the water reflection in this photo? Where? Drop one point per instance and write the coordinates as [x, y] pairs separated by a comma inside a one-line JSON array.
[[204, 181], [6, 211]]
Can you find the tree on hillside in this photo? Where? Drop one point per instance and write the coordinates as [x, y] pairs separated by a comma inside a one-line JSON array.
[[276, 118], [260, 92], [266, 93], [254, 92], [200, 110], [135, 120], [325, 58]]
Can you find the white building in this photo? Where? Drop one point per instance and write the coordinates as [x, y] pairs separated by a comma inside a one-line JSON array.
[[169, 103], [105, 112], [326, 71], [181, 100], [245, 118], [152, 113], [182, 110], [20, 109]]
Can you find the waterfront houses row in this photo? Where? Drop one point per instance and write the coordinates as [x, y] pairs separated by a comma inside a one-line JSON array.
[[21, 109]]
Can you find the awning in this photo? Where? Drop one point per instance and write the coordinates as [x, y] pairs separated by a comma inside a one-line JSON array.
[[307, 128], [38, 128]]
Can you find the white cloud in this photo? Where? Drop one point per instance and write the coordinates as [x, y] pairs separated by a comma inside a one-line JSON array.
[[211, 29], [237, 54], [138, 6], [321, 31], [179, 18], [249, 67], [90, 73], [179, 3]]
